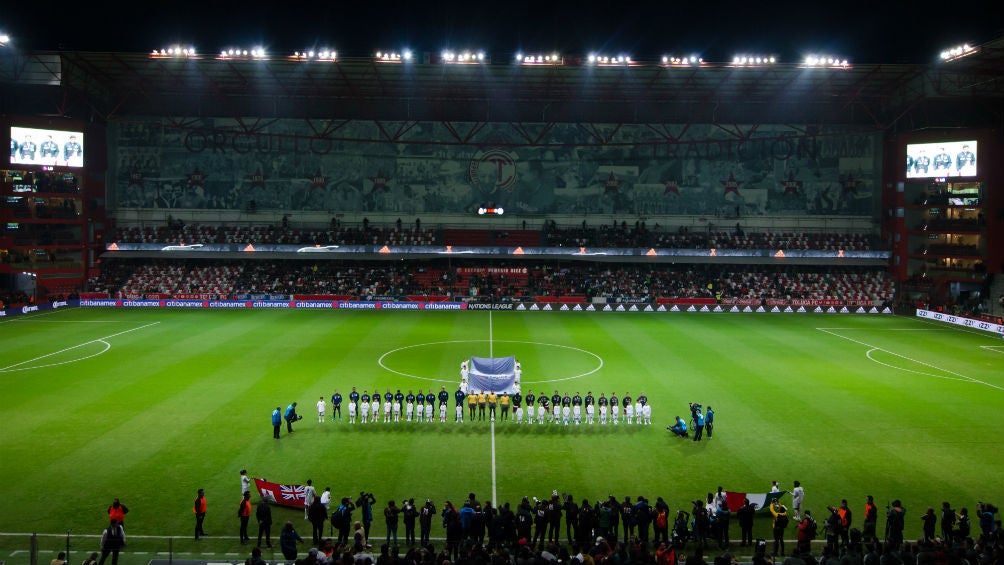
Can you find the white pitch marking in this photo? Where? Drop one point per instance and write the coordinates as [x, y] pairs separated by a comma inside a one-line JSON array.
[[869, 356], [98, 340], [970, 379]]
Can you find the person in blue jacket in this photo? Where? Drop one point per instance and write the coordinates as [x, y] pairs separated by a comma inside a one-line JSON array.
[[276, 421], [698, 425], [709, 421], [291, 416], [679, 429]]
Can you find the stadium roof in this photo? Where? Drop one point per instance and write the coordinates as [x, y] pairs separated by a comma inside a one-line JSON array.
[[114, 86]]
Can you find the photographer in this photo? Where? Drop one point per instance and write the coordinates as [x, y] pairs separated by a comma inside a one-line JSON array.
[[291, 416], [365, 504]]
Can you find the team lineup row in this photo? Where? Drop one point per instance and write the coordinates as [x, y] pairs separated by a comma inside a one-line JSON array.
[[422, 407]]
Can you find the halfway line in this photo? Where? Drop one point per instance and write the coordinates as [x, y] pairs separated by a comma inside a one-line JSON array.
[[98, 340]]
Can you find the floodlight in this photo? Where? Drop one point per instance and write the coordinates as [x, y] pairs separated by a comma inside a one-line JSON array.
[[4, 39]]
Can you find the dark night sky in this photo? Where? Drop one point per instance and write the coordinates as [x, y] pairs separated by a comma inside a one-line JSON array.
[[872, 32]]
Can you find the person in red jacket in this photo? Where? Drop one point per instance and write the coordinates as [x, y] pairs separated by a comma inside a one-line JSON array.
[[199, 508], [117, 512], [244, 513]]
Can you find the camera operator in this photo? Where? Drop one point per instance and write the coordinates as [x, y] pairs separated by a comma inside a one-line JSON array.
[[365, 504]]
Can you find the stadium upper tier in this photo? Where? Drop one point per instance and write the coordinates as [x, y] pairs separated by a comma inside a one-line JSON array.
[[566, 237], [366, 280]]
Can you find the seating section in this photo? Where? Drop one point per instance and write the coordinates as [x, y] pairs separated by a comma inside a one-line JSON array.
[[554, 237], [582, 282]]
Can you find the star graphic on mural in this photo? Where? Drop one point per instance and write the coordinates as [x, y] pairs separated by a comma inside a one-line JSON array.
[[851, 185], [731, 184], [790, 185], [612, 184], [257, 179], [318, 181], [672, 187], [196, 178], [379, 182]]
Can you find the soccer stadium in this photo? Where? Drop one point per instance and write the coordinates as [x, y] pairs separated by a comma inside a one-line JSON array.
[[510, 308]]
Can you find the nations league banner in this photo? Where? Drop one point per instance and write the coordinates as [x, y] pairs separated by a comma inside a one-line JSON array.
[[596, 168], [283, 495]]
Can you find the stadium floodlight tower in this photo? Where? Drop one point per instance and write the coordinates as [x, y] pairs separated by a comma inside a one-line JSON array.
[[174, 52], [958, 52], [682, 61], [753, 60], [606, 60], [393, 56], [825, 62], [324, 54], [536, 59], [469, 57], [4, 40]]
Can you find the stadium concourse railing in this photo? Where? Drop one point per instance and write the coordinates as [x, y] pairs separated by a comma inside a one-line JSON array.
[[41, 549]]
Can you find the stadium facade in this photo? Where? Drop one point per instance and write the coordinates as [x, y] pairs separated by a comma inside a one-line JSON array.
[[221, 140]]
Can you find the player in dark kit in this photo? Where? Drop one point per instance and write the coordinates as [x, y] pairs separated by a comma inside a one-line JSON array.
[[965, 158], [430, 398], [399, 397], [942, 161], [529, 399], [458, 399], [444, 397], [354, 396], [49, 149], [27, 148], [72, 149], [517, 400], [336, 406]]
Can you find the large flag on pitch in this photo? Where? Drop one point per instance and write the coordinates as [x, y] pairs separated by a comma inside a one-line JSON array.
[[283, 495], [734, 500]]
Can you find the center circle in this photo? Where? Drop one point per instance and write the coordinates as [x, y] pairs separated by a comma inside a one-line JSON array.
[[382, 360]]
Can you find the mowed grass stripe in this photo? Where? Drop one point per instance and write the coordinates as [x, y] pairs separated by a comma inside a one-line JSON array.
[[187, 406]]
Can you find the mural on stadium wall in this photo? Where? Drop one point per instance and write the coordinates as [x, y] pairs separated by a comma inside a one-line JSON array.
[[440, 167]]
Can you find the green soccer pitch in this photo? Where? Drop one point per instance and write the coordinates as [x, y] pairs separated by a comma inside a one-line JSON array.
[[150, 405]]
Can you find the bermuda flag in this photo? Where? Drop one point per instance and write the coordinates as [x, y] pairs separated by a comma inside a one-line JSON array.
[[283, 495], [734, 500]]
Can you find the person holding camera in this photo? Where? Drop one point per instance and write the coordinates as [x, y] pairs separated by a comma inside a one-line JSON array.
[[780, 514], [365, 504]]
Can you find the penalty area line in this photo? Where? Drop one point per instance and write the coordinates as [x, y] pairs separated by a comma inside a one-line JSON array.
[[98, 340], [893, 353]]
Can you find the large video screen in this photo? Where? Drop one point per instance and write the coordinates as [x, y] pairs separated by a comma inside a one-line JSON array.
[[941, 159], [51, 147]]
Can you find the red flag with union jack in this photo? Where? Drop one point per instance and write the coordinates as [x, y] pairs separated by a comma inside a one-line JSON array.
[[283, 495]]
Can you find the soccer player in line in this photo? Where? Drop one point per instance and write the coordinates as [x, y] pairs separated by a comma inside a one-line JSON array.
[[430, 403], [387, 400], [336, 406], [628, 411], [419, 405], [530, 406], [615, 409], [458, 400], [396, 410], [364, 408], [482, 405], [576, 414], [638, 409], [409, 407], [352, 412], [542, 412], [603, 409], [442, 413], [375, 408], [321, 406], [566, 415], [590, 408]]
